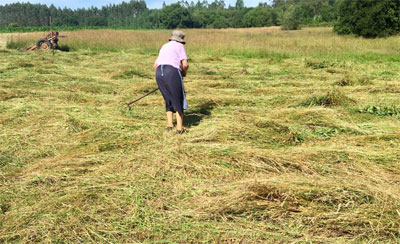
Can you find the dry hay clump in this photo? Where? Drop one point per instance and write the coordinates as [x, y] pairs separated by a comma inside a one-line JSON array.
[[252, 199], [322, 64], [354, 80], [280, 133], [324, 208], [334, 97]]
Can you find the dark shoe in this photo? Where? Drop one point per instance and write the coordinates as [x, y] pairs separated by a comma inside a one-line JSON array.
[[169, 129], [180, 132]]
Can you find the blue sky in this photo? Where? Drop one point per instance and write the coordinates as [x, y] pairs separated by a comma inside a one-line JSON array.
[[98, 3]]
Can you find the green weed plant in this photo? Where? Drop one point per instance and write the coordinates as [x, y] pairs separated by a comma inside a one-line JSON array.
[[381, 110]]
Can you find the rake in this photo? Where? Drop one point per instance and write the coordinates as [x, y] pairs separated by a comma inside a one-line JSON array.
[[145, 95]]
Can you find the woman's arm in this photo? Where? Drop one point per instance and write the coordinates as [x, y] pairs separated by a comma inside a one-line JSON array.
[[155, 67], [185, 67]]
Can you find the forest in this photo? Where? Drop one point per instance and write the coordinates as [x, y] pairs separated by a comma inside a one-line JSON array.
[[201, 14], [366, 18]]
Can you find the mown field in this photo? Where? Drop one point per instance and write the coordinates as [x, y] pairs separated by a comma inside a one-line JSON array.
[[293, 137]]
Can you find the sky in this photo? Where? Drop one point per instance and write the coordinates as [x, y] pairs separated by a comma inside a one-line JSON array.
[[74, 4]]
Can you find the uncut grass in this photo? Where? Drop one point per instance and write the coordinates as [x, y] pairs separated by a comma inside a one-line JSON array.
[[268, 42], [77, 166]]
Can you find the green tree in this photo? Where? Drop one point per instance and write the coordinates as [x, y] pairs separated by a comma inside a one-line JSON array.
[[202, 18], [239, 4], [96, 20], [369, 18], [278, 3], [66, 21], [175, 15], [260, 16], [291, 18]]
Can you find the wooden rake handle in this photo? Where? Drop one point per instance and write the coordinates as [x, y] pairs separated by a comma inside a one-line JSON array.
[[145, 95]]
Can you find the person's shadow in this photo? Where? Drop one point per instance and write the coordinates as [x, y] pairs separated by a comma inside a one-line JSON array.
[[196, 115]]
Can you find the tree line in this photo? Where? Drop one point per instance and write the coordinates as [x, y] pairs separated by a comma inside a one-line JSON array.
[[367, 18], [184, 14]]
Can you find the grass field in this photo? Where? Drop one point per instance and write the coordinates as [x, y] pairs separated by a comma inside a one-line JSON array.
[[293, 137]]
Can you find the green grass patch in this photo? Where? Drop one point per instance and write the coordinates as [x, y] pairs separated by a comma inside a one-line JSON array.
[[129, 74], [381, 110], [18, 44]]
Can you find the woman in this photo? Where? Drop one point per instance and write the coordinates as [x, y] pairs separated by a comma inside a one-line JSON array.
[[170, 66]]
